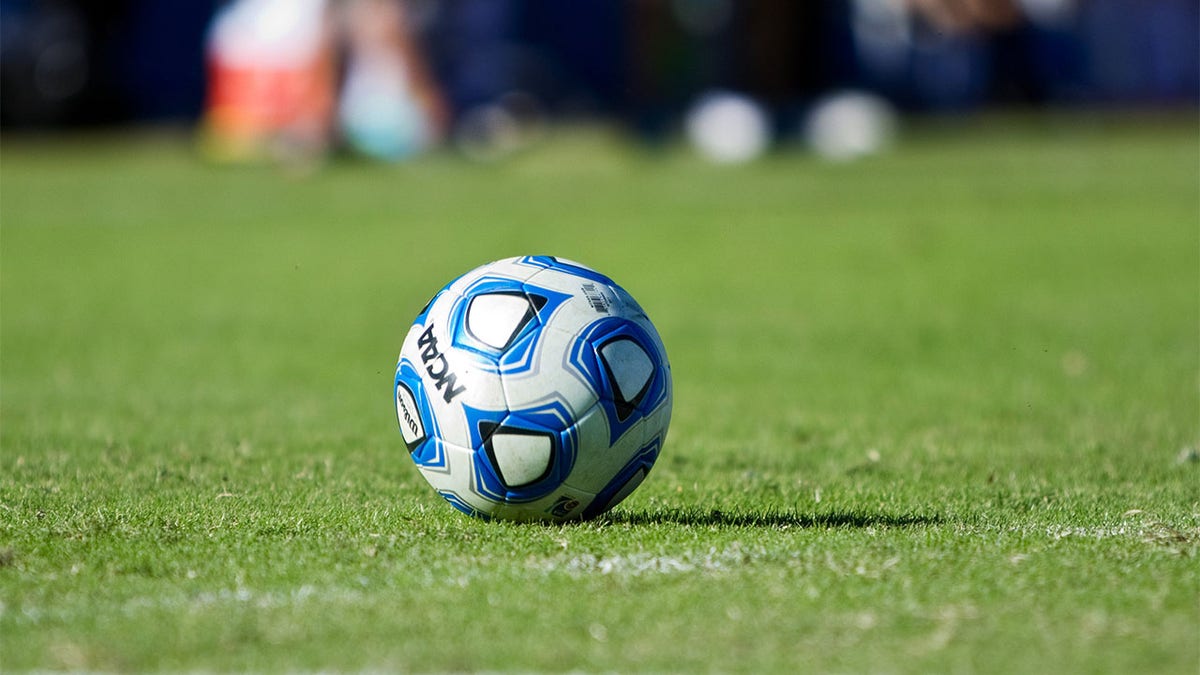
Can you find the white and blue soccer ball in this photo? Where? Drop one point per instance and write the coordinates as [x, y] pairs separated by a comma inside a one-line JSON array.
[[533, 388]]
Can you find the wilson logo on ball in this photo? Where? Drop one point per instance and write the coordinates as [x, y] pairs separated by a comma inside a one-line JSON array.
[[410, 420]]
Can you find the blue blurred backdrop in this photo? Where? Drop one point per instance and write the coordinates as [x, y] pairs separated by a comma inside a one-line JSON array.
[[79, 62]]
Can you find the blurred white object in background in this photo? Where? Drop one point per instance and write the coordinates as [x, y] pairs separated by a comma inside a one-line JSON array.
[[847, 125], [728, 128]]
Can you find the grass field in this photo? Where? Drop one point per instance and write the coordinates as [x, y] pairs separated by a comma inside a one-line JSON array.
[[934, 412]]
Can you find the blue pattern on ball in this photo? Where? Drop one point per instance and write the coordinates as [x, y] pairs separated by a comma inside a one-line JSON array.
[[547, 262], [553, 419], [583, 357], [518, 356], [644, 459]]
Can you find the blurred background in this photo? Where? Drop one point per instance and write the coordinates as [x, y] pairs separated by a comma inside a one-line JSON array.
[[297, 80]]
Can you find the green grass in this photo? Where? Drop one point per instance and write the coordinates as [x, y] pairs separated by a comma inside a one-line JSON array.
[[932, 413]]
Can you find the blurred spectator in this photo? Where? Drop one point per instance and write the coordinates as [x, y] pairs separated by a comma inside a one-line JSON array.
[[287, 76], [967, 16], [70, 62], [271, 80], [390, 107]]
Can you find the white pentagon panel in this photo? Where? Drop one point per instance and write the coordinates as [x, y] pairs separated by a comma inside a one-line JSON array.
[[495, 318], [482, 388], [658, 420], [457, 477], [624, 304], [450, 377], [593, 472], [551, 379], [630, 366], [520, 458], [576, 286], [575, 315], [556, 280]]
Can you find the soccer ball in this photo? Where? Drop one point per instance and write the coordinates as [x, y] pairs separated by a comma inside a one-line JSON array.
[[533, 388]]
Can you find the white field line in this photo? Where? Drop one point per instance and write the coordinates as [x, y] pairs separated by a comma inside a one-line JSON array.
[[641, 564], [183, 603], [1056, 532], [710, 561]]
